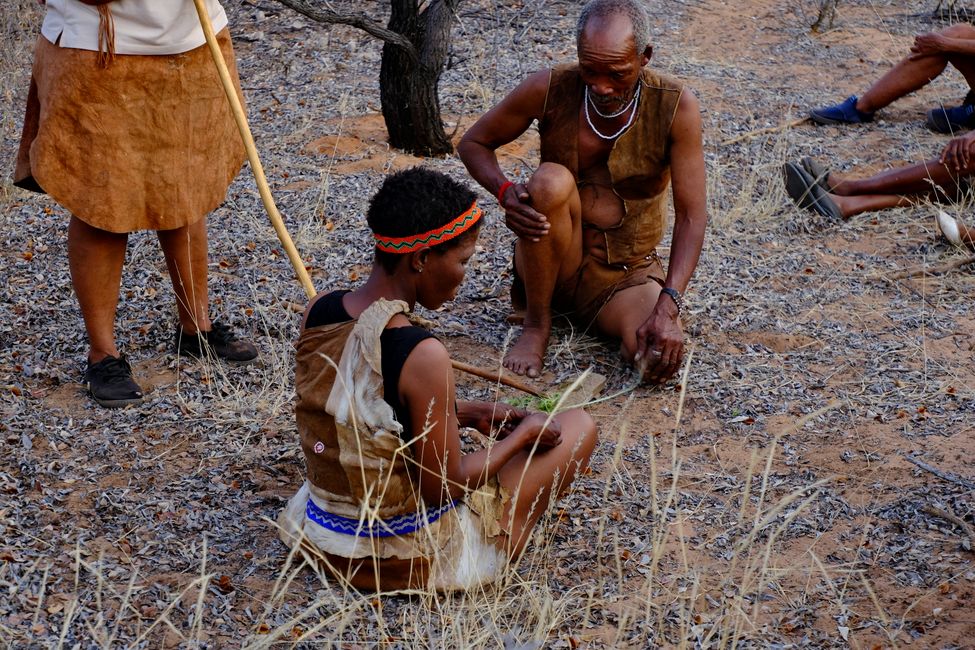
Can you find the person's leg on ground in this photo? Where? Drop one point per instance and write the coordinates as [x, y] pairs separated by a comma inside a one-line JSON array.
[[919, 179], [543, 263], [534, 480], [904, 78], [907, 76]]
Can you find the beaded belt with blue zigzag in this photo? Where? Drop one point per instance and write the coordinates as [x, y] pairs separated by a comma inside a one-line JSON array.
[[398, 525]]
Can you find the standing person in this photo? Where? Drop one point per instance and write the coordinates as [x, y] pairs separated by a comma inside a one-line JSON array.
[[391, 501], [613, 133], [128, 128], [929, 57]]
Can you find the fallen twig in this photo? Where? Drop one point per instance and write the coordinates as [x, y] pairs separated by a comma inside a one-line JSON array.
[[947, 476], [768, 129], [931, 270], [953, 518]]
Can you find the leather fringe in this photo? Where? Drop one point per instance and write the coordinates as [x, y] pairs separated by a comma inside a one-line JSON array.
[[106, 36]]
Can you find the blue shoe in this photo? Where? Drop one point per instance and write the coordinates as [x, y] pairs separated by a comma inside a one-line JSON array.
[[949, 120], [845, 113]]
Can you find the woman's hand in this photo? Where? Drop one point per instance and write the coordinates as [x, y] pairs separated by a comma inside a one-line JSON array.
[[489, 418], [540, 428]]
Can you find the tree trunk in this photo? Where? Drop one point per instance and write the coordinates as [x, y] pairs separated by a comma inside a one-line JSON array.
[[827, 14], [408, 87]]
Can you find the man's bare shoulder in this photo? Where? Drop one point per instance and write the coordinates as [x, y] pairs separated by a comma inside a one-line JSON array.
[[532, 88], [688, 113]]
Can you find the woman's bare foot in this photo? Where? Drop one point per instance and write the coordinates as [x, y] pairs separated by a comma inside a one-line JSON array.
[[526, 355]]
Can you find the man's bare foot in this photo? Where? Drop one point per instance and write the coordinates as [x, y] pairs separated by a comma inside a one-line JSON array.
[[526, 355]]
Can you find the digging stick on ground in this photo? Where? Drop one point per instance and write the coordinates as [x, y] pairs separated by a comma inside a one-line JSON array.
[[272, 210], [766, 130], [495, 376]]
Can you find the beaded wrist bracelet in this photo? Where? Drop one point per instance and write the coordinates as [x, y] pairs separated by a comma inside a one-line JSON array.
[[676, 297]]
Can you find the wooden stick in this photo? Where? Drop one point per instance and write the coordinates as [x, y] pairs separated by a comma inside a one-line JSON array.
[[932, 270], [768, 129], [496, 377], [951, 478], [245, 134]]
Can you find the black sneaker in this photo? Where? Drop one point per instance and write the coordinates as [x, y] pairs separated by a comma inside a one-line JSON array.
[[110, 382], [219, 342], [951, 119]]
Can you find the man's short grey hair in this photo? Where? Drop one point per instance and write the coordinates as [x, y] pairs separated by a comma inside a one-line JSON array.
[[632, 9]]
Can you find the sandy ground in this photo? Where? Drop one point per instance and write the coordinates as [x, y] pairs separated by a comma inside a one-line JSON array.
[[779, 510]]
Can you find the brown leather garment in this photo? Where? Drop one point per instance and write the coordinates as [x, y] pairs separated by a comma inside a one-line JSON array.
[[148, 143], [639, 162]]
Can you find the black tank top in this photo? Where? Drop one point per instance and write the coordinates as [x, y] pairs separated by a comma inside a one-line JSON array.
[[396, 344]]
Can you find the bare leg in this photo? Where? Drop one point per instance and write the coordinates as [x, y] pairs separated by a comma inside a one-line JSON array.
[[851, 205], [909, 75], [95, 259], [904, 78], [531, 480], [185, 250], [543, 263], [919, 179]]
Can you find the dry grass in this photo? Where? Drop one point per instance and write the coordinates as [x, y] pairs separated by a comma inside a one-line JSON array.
[[717, 516]]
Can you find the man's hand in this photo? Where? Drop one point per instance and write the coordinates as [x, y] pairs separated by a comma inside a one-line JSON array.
[[959, 153], [926, 45], [520, 217], [660, 343]]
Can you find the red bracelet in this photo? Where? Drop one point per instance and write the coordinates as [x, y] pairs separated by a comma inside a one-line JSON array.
[[504, 188]]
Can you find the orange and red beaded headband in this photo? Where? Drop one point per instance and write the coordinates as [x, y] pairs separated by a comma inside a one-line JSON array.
[[446, 232]]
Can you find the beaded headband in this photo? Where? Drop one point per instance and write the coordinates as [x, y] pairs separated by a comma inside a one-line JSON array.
[[446, 232]]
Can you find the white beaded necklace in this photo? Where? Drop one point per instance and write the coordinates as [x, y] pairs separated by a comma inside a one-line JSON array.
[[633, 104], [609, 116]]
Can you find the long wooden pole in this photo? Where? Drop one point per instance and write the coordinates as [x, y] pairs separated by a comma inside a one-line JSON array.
[[245, 133], [272, 210]]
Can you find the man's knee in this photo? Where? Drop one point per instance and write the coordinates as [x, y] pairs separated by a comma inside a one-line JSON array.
[[551, 184]]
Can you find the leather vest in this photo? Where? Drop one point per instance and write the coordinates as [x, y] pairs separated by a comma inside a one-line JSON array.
[[349, 434], [639, 163]]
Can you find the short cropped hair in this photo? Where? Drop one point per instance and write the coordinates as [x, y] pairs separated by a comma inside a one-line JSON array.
[[414, 201], [632, 9]]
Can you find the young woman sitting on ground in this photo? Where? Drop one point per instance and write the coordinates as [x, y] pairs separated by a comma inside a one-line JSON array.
[[839, 196], [391, 501]]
